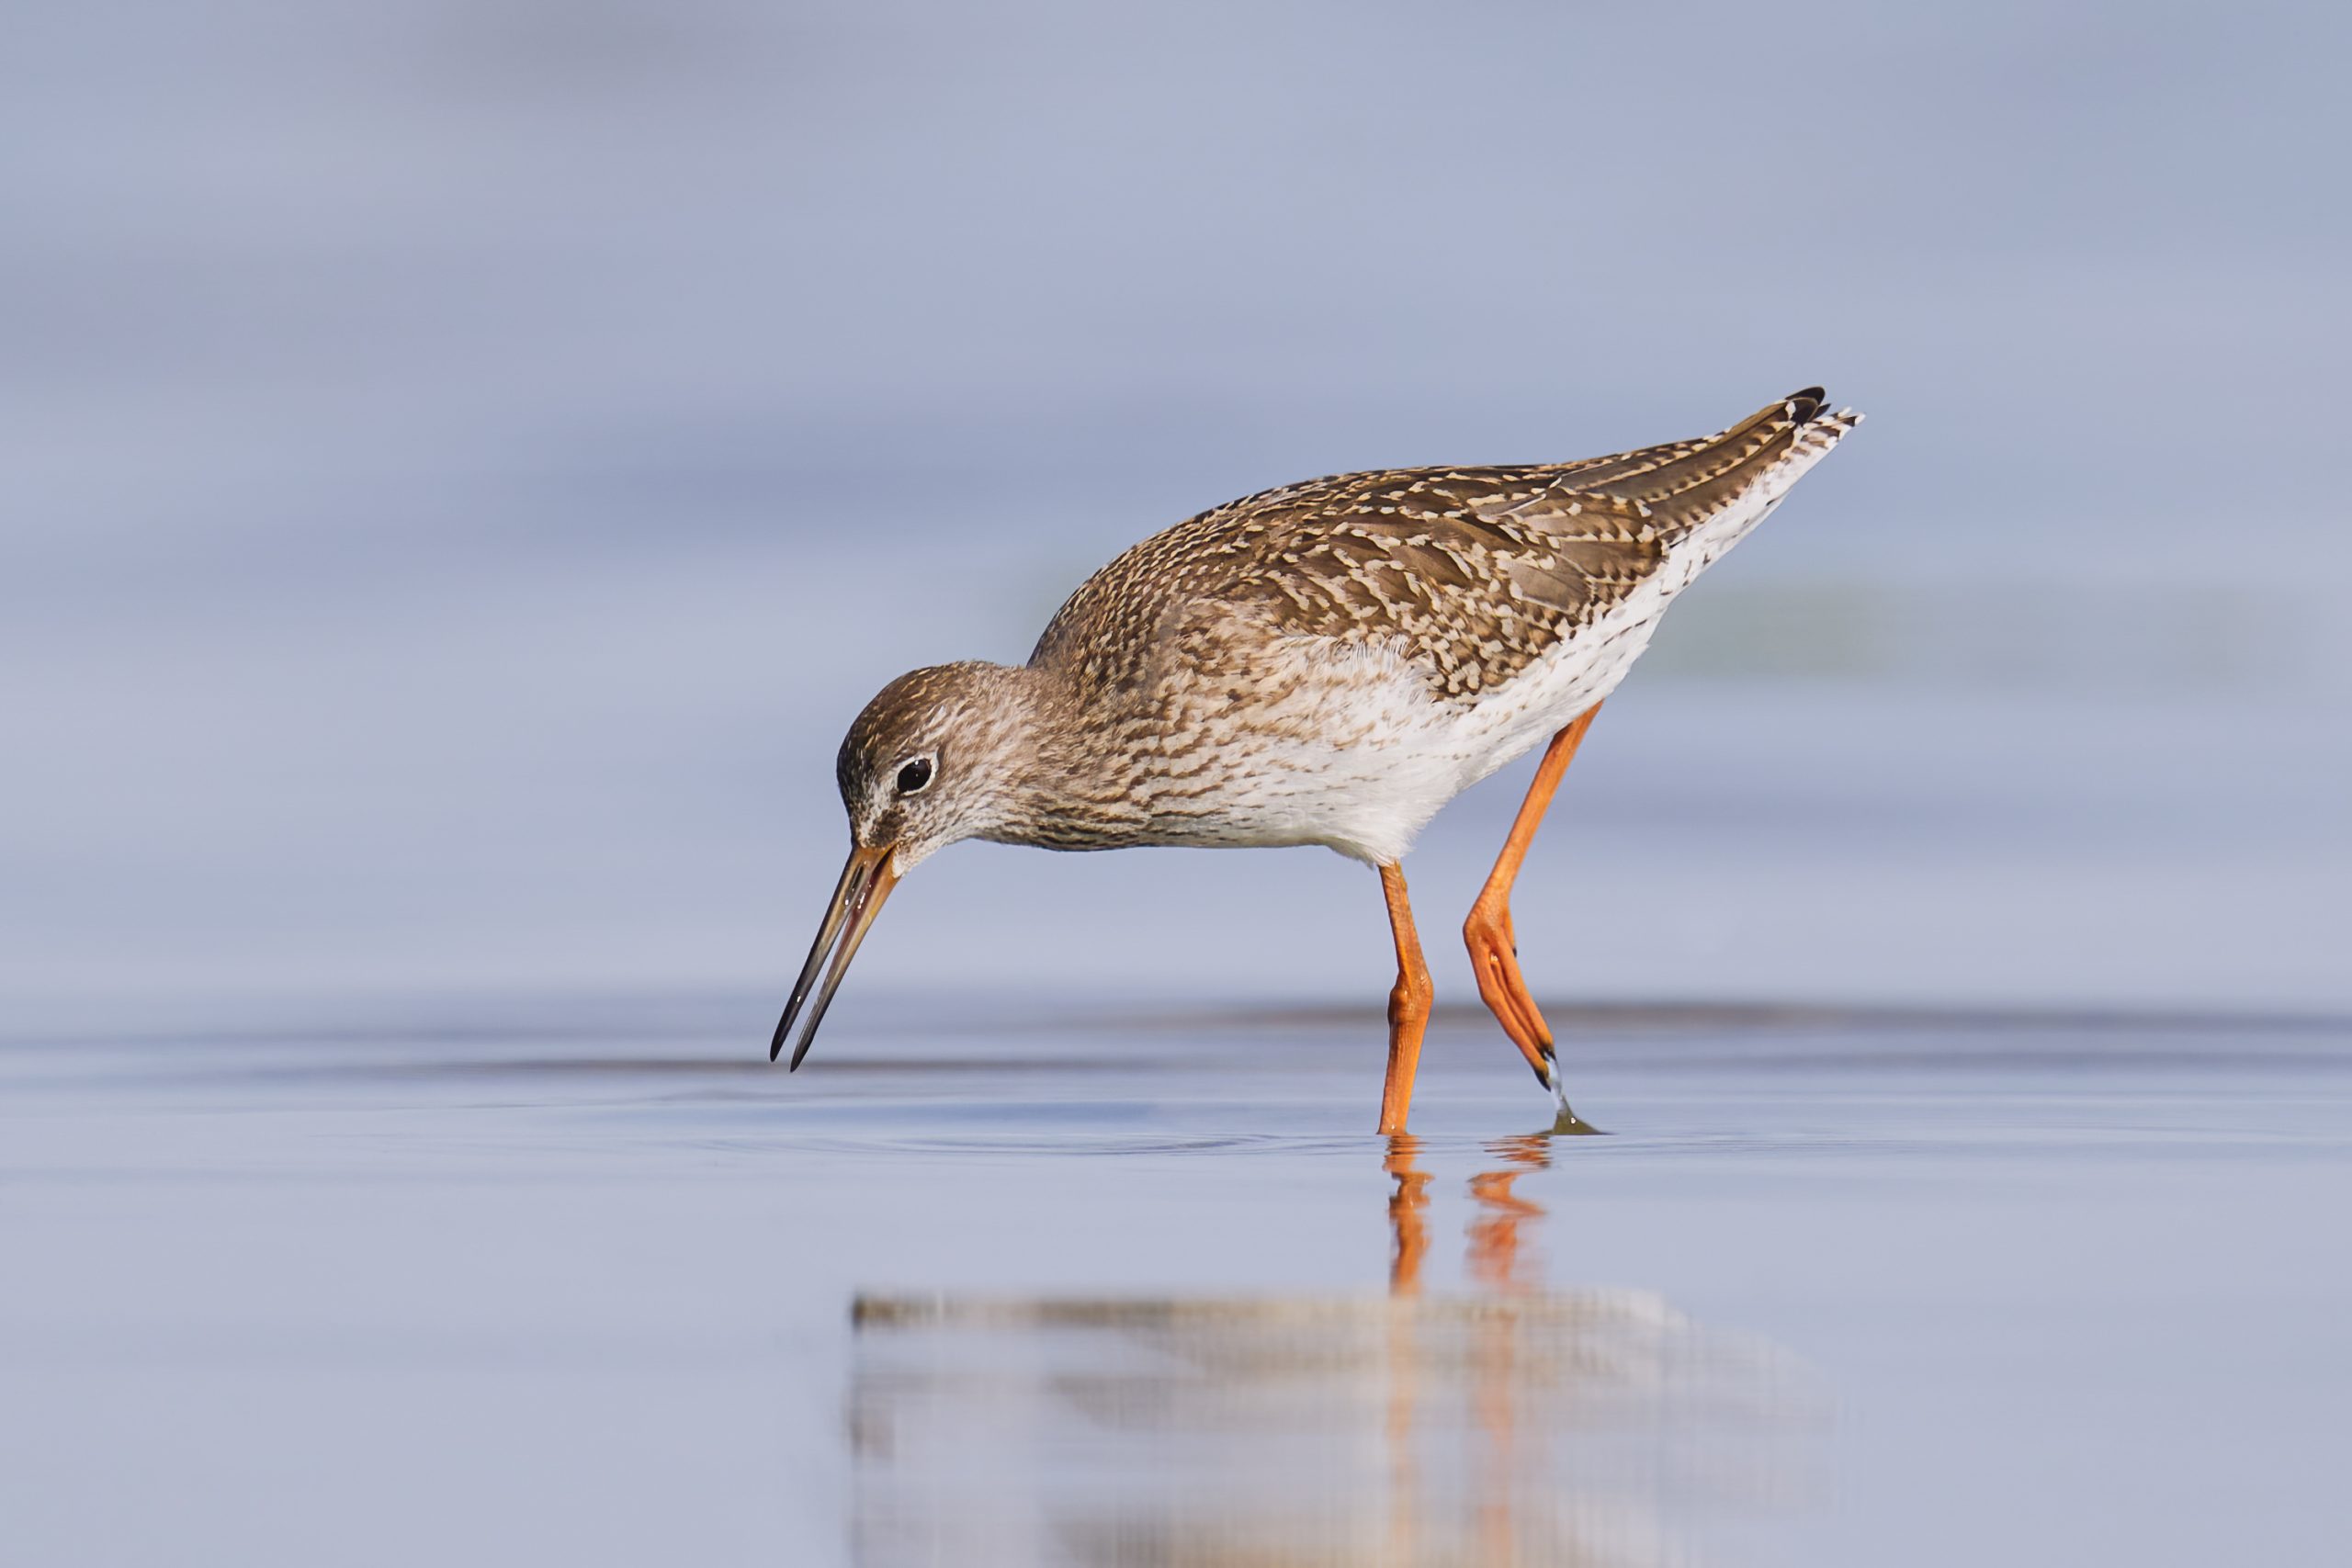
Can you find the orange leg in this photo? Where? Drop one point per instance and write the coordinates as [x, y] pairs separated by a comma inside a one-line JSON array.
[[1409, 1005], [1494, 948]]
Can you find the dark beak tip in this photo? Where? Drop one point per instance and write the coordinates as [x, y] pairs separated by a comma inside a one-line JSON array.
[[866, 882]]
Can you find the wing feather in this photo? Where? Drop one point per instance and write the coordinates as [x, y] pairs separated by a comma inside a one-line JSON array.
[[1472, 574]]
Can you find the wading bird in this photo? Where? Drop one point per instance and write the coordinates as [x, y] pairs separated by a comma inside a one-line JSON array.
[[1325, 663]]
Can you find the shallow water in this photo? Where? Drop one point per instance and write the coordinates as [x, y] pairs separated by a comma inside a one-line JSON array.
[[1863, 1288]]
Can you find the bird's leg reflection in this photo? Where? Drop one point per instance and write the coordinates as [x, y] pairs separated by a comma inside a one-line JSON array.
[[1495, 1261], [1407, 1214], [1494, 1257], [1409, 1219]]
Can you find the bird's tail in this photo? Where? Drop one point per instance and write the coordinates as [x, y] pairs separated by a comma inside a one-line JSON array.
[[1685, 483]]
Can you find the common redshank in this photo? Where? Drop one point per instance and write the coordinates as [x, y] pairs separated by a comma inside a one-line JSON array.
[[1325, 663]]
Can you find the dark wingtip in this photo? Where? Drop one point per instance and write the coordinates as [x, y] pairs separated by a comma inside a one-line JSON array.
[[776, 1046], [1806, 402]]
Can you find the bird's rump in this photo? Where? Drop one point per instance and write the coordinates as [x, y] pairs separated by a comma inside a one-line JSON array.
[[1471, 574]]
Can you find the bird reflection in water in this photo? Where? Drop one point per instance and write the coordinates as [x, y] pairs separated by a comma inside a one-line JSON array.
[[1505, 1424]]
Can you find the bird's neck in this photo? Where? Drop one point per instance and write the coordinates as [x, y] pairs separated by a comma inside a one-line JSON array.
[[1072, 784]]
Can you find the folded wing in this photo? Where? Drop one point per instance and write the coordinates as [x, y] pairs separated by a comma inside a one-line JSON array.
[[1469, 573]]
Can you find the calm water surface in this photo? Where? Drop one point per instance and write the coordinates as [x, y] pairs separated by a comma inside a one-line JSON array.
[[1833, 1288]]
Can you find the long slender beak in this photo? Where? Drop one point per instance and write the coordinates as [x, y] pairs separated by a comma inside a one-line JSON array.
[[866, 882]]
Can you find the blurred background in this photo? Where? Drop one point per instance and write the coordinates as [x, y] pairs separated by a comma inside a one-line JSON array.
[[463, 465]]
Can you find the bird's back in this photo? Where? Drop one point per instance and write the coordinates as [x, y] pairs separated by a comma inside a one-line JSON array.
[[1470, 575]]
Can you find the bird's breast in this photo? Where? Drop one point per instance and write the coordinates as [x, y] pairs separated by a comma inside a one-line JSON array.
[[1313, 741]]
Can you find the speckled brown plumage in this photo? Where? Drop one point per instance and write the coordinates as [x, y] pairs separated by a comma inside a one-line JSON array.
[[1470, 573]]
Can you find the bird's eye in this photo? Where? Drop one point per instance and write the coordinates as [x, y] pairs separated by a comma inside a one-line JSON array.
[[915, 777]]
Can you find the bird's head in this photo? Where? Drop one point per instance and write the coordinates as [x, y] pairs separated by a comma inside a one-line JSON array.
[[939, 754]]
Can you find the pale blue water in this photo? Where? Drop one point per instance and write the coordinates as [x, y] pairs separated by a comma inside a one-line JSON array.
[[1833, 1289]]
